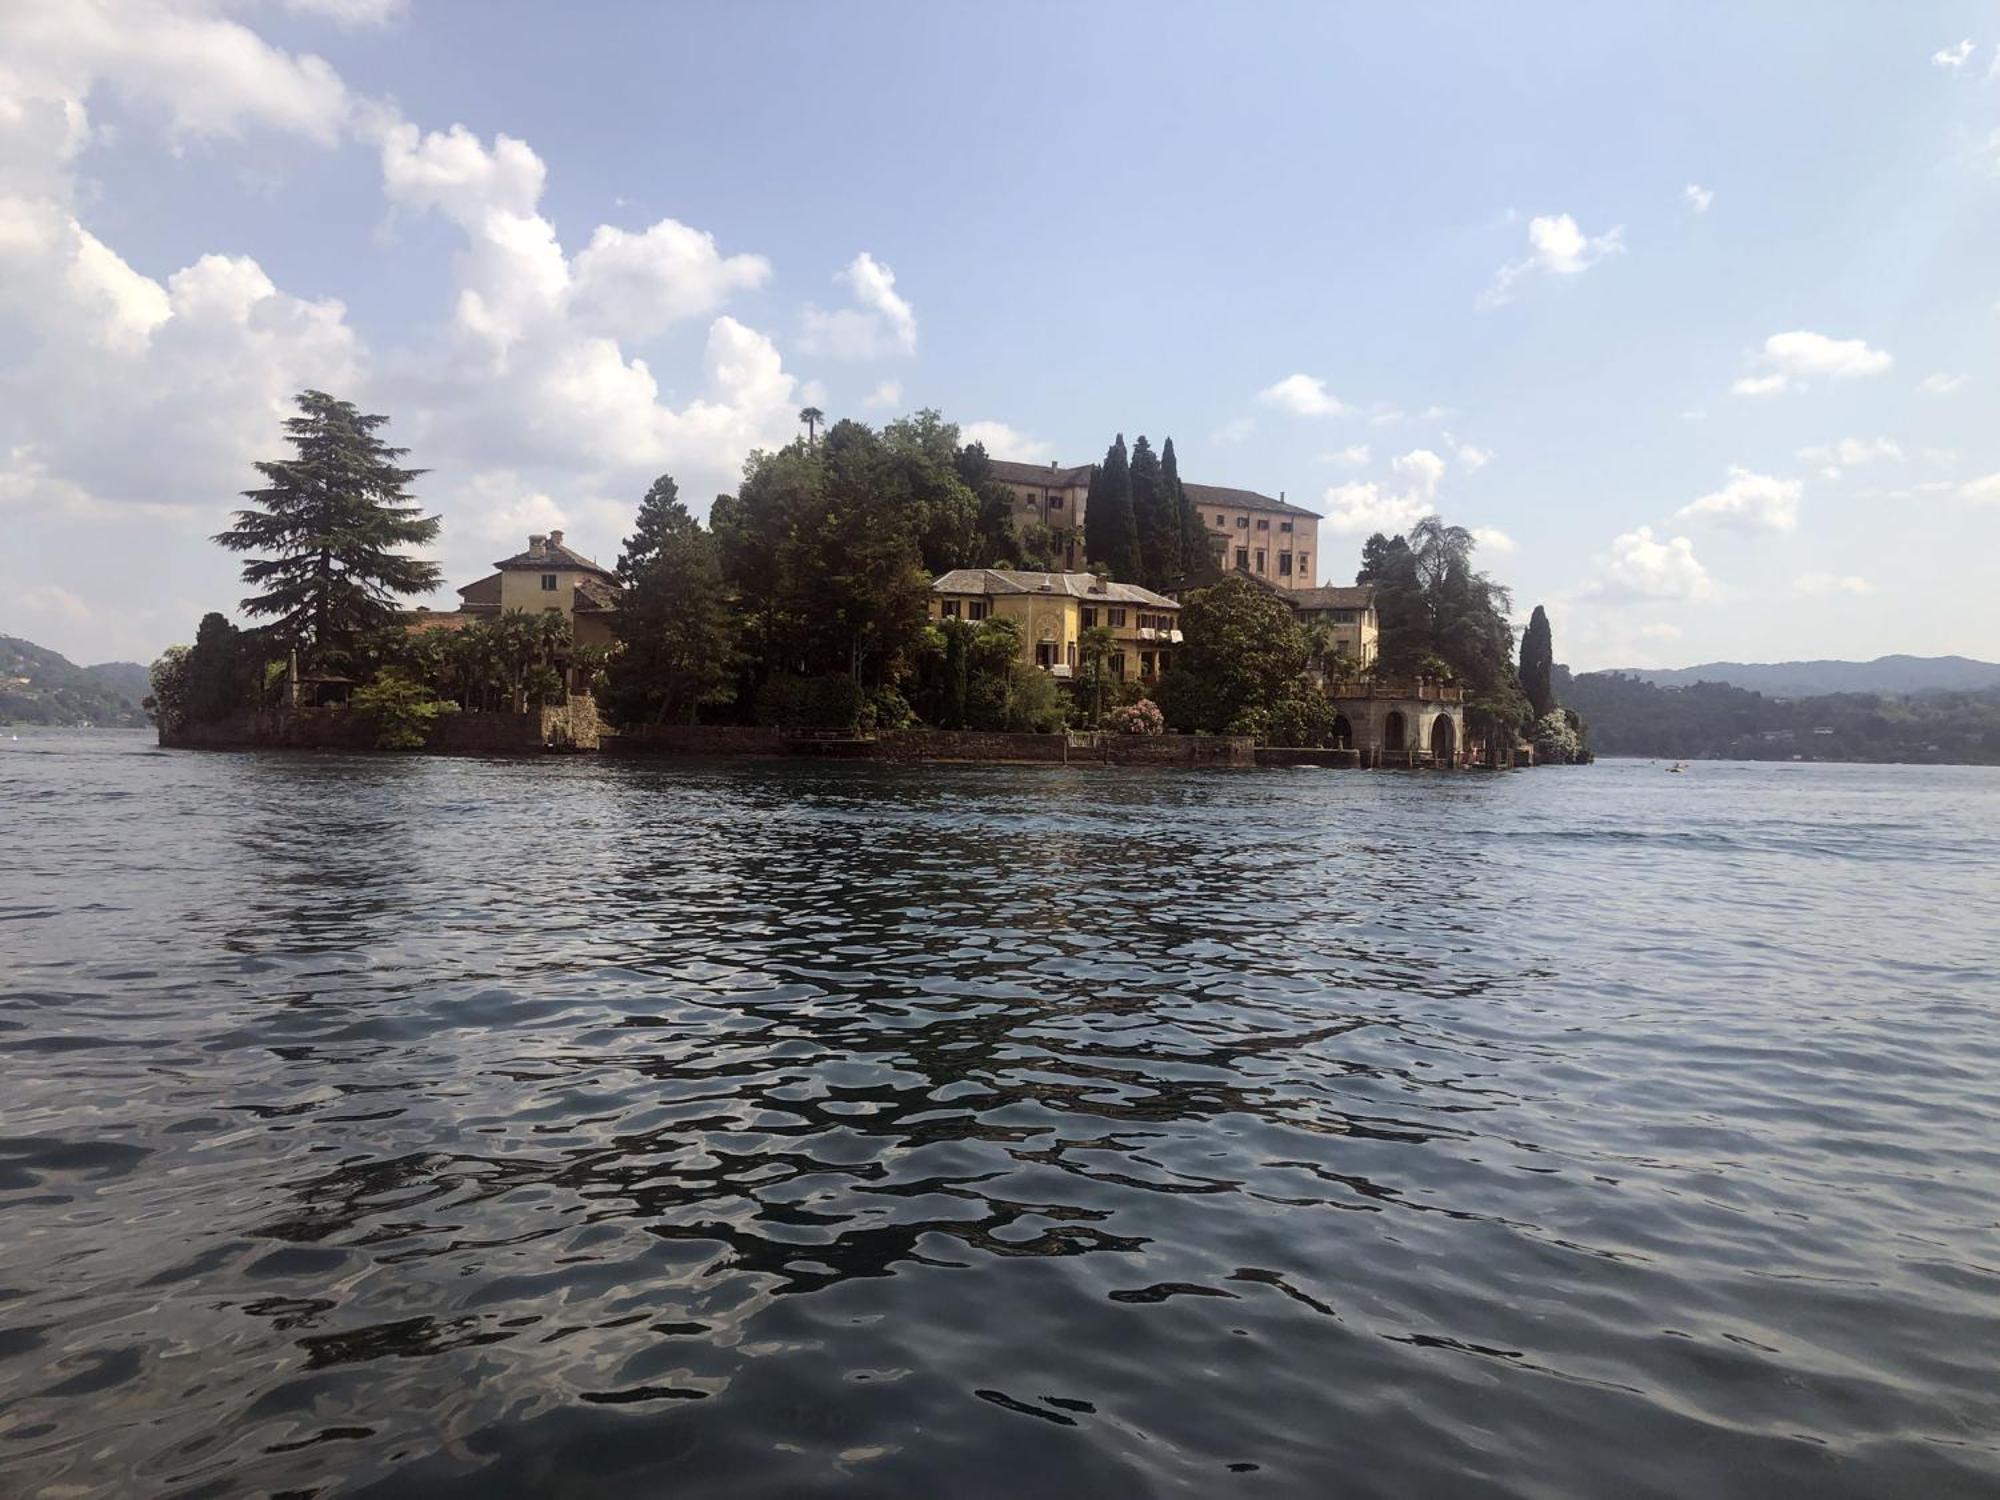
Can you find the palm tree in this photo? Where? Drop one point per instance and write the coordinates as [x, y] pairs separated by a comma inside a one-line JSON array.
[[812, 416], [1095, 646]]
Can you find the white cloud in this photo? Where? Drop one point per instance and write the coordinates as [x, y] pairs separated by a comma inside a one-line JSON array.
[[1001, 441], [1749, 501], [1760, 385], [1354, 455], [350, 12], [1940, 384], [1697, 197], [1304, 396], [634, 285], [1981, 491], [1471, 459], [1556, 247], [1662, 630], [885, 397], [1236, 430], [1822, 585], [1362, 506], [1494, 540], [1951, 59], [1641, 567], [1800, 355], [1850, 453], [882, 325]]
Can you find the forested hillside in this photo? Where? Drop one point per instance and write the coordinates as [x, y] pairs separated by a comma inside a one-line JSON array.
[[1712, 720], [37, 686]]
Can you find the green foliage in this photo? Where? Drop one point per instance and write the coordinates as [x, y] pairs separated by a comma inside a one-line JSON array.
[[826, 702], [331, 521], [1094, 688], [168, 702], [1033, 703], [400, 709], [1301, 717], [1538, 665], [1110, 532], [962, 674], [216, 671], [1243, 653], [1142, 717], [996, 540], [1155, 518], [676, 631], [1193, 559], [1555, 738], [1712, 720]]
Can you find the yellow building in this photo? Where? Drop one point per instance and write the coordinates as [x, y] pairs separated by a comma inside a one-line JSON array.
[[1273, 541], [1270, 540], [1053, 610], [1349, 613], [548, 576]]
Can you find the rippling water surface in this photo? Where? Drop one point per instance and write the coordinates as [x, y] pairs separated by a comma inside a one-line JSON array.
[[454, 1127]]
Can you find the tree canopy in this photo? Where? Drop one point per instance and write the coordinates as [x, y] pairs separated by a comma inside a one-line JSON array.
[[1538, 664], [331, 521], [674, 625], [1110, 533]]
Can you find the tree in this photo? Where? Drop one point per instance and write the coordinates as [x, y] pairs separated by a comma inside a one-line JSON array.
[[918, 466], [813, 417], [1243, 652], [997, 540], [332, 520], [1538, 660], [401, 709], [1193, 553], [214, 671], [1110, 535], [1094, 649], [676, 632], [1154, 519], [167, 702]]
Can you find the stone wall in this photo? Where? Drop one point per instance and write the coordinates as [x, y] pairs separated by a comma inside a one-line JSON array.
[[571, 726], [972, 744], [694, 739], [1305, 755], [1179, 749]]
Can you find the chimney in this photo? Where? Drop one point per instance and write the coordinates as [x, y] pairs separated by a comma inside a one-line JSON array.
[[555, 538], [1052, 464], [1281, 496], [538, 544]]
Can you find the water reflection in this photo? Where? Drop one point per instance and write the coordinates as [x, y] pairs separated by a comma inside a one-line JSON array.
[[523, 1127]]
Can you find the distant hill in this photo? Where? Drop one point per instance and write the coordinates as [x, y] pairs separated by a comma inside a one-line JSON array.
[[1811, 679], [37, 686]]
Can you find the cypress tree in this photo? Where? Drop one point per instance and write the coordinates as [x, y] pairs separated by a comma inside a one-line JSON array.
[[1191, 550], [1538, 663], [1110, 534], [333, 519], [1153, 517]]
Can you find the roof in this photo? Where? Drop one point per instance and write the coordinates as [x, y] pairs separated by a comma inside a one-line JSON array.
[[1218, 494], [1334, 596], [1008, 472], [484, 594], [594, 595], [548, 552], [421, 619], [1086, 586]]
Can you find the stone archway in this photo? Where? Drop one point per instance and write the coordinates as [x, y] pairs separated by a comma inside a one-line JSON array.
[[1444, 741], [1343, 733], [1394, 732]]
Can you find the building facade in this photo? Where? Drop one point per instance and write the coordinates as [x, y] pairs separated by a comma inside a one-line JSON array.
[[548, 576], [1050, 496], [1273, 541], [1348, 614], [1053, 610]]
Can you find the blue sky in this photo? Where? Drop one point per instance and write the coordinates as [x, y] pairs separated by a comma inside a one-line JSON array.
[[1691, 310]]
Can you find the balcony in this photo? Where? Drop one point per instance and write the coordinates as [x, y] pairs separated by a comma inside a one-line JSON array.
[[1422, 689]]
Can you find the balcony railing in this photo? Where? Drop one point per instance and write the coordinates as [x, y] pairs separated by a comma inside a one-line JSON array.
[[1423, 689]]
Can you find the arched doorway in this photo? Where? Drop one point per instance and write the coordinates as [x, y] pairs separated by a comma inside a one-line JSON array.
[[1393, 732], [1444, 741], [1343, 733]]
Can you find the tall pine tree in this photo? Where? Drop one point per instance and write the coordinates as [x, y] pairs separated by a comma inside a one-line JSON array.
[[1153, 517], [661, 515], [1110, 534], [332, 519], [676, 633], [1538, 664], [1192, 557]]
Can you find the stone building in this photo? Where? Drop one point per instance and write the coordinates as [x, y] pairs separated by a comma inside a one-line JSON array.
[[1400, 721], [1053, 610], [1271, 540], [548, 576]]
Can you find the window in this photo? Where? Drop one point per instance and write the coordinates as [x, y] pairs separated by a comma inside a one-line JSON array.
[[1305, 565], [1343, 617], [1260, 559], [548, 583], [1242, 523], [1284, 565], [1089, 616], [1045, 654], [1262, 524], [975, 609], [1055, 502], [1242, 559], [1072, 655], [1115, 618], [1118, 665], [1284, 526], [948, 610], [1219, 520], [1147, 664]]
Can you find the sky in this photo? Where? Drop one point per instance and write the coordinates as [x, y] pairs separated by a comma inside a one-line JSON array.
[[1690, 311]]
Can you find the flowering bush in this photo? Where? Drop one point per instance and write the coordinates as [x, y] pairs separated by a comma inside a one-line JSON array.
[[1143, 717]]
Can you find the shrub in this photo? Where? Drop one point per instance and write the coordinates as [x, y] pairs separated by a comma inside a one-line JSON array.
[[1556, 739], [1143, 717], [1034, 702], [401, 710]]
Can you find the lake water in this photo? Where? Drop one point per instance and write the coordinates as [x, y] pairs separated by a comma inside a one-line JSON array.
[[562, 1126]]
